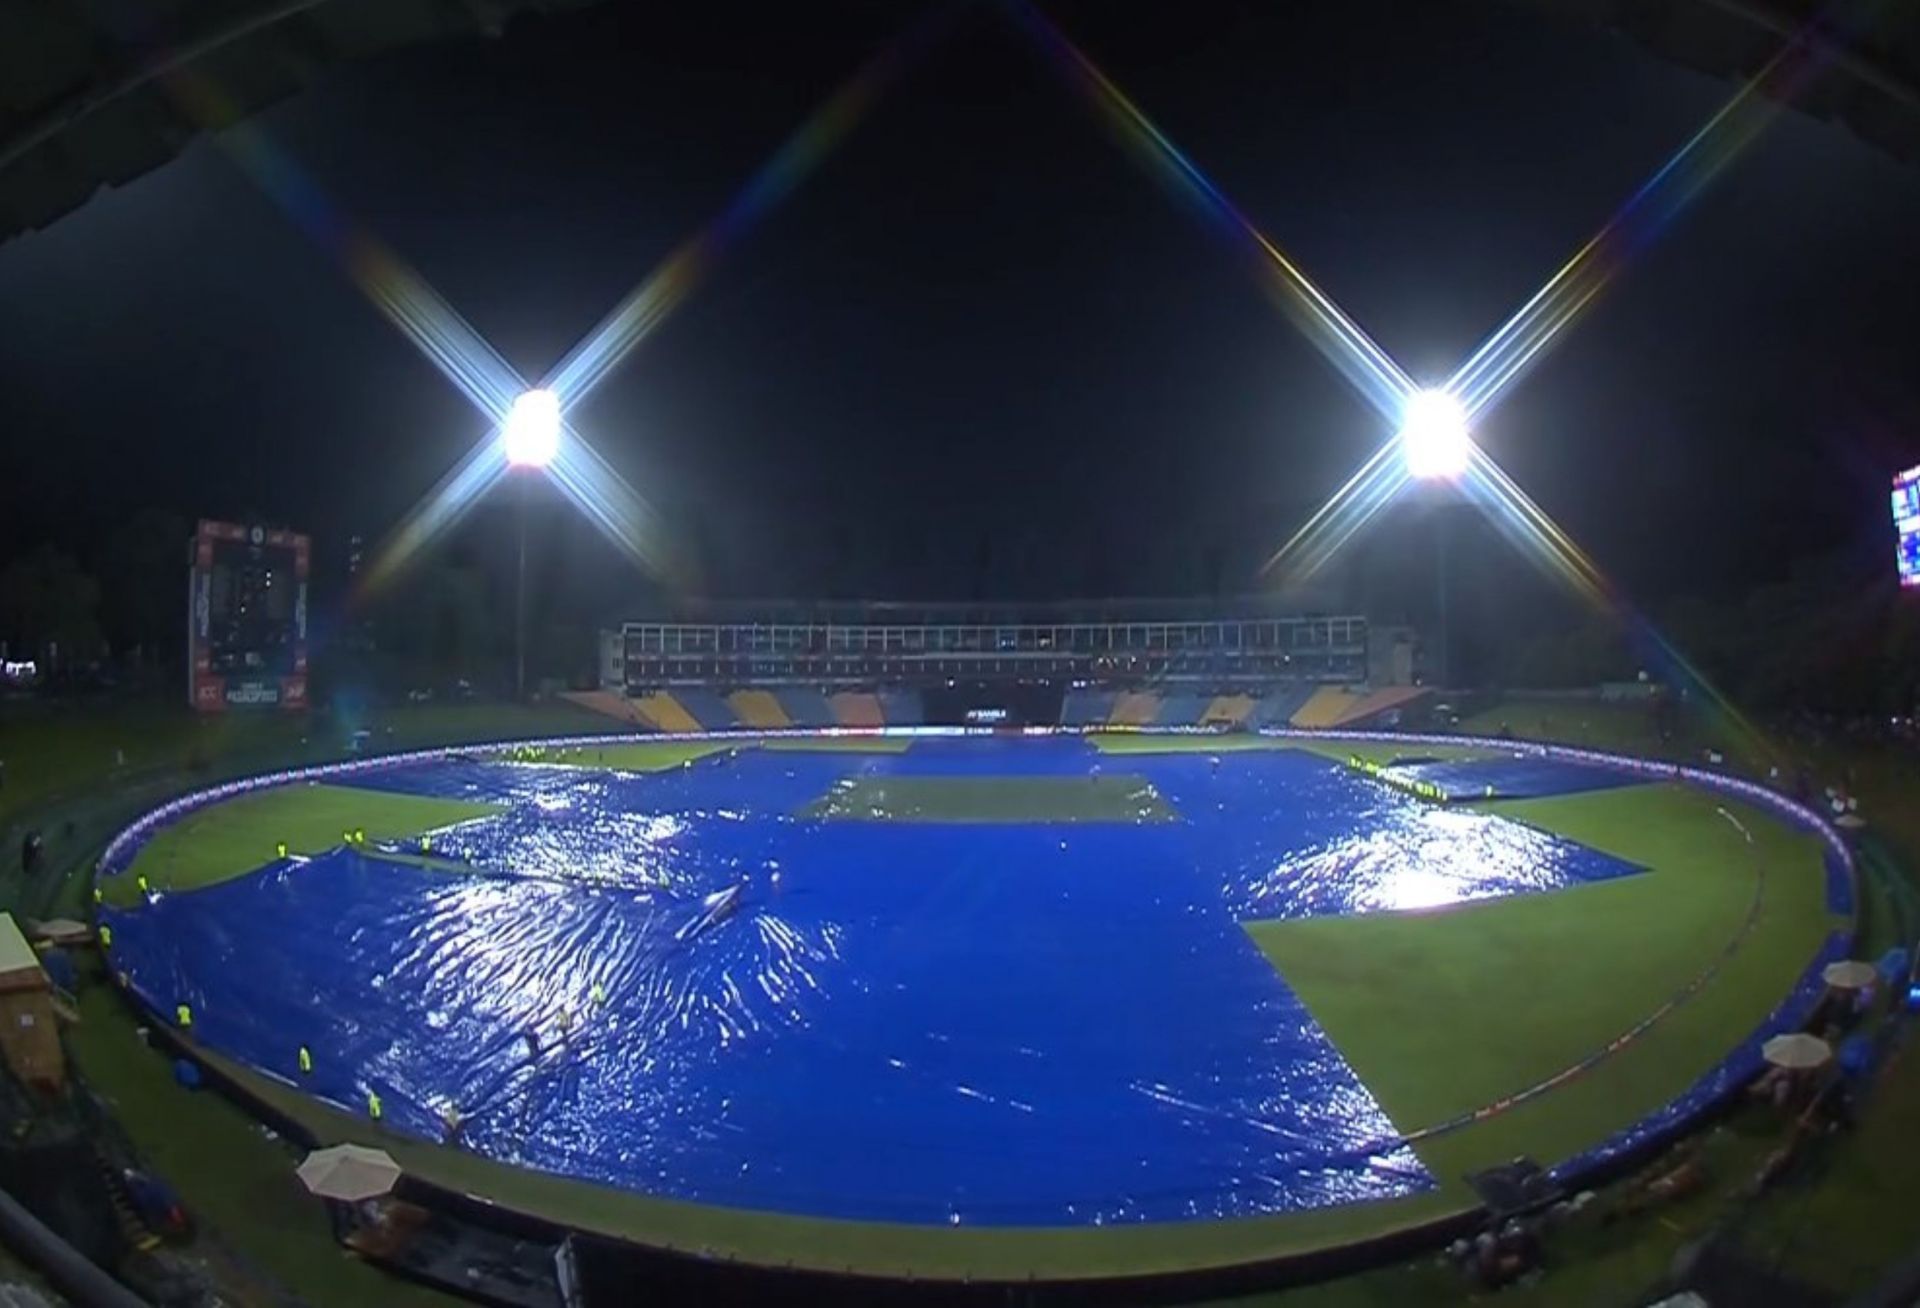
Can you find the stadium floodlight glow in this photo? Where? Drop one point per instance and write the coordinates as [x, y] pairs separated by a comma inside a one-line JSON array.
[[1433, 437], [530, 436]]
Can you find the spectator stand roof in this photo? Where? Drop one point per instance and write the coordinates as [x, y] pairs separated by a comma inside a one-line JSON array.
[[83, 100]]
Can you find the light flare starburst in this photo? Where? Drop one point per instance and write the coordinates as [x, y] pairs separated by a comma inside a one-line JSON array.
[[538, 437], [1433, 427]]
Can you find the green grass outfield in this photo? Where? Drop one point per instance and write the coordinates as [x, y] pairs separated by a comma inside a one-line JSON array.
[[659, 755], [839, 744], [1438, 1013], [233, 1177], [1124, 743], [54, 750], [236, 836], [232, 838], [621, 756]]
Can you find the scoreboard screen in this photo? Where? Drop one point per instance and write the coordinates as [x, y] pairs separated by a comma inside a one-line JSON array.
[[1906, 525], [247, 618]]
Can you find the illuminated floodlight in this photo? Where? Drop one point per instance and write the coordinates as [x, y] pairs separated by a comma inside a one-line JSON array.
[[1433, 436], [530, 437]]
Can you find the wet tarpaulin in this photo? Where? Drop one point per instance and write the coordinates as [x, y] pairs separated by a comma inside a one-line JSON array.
[[1509, 777], [676, 984]]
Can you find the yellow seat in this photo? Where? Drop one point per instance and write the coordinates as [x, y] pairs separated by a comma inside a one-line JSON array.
[[856, 709], [665, 712], [1324, 707], [1134, 708], [758, 709], [1227, 710]]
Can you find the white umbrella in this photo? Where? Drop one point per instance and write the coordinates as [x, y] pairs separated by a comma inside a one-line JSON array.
[[350, 1172], [1850, 974], [1796, 1052], [62, 931]]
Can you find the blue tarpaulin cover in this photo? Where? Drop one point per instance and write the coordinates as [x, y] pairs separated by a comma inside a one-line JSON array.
[[674, 984], [1514, 777]]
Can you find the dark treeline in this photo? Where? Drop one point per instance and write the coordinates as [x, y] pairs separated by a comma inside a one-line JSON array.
[[117, 613], [1834, 635]]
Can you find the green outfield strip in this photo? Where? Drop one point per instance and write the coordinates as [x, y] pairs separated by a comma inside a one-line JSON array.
[[838, 744], [1138, 742], [232, 837], [627, 756], [1016, 799], [235, 836], [662, 755], [875, 1248], [1445, 1011], [1150, 742], [234, 1178], [1373, 751]]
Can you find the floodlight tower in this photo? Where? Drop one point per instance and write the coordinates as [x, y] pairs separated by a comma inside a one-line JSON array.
[[1433, 437], [1436, 446], [530, 438]]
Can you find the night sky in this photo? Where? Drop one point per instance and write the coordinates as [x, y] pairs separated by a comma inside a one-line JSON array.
[[981, 349]]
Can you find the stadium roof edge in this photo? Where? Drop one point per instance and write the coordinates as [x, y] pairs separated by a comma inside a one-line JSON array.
[[86, 107], [84, 111], [1872, 80], [1211, 608]]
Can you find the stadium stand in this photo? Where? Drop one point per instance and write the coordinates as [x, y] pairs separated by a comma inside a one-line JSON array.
[[903, 707], [845, 645], [610, 702], [665, 712], [856, 708], [806, 707], [1106, 663], [1181, 709], [1000, 703], [1367, 707], [1086, 707], [758, 708], [1326, 706], [708, 710], [1226, 711], [1134, 708], [1277, 707]]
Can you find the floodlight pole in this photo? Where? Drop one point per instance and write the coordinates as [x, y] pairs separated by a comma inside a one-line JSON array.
[[520, 598], [1440, 587]]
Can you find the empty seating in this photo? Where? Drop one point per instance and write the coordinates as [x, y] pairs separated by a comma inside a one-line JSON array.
[[1276, 708], [806, 707], [903, 707], [1226, 711], [1086, 708], [1182, 709], [1324, 707], [610, 702], [1368, 707], [758, 709], [706, 707], [1134, 708], [853, 708], [665, 712]]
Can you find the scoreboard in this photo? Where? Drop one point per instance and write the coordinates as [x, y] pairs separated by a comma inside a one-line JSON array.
[[1906, 525], [247, 618]]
